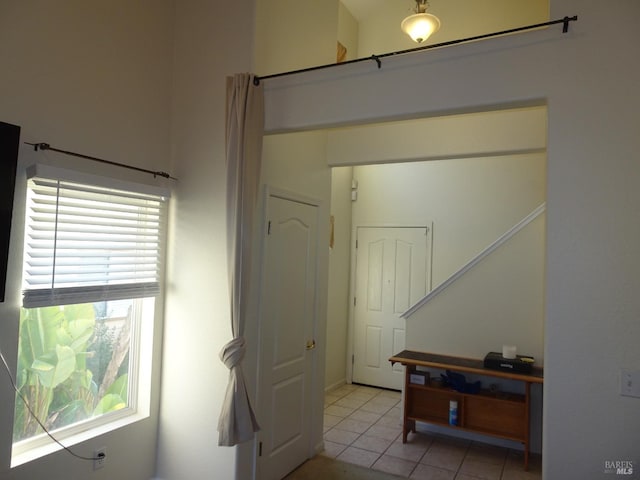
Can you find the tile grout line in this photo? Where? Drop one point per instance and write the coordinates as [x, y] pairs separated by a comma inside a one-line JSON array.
[[381, 415], [464, 457]]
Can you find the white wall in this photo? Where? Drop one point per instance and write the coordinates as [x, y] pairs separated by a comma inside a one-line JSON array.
[[348, 31], [471, 201], [498, 302], [93, 78], [588, 79], [379, 32], [469, 135], [339, 262], [197, 321], [291, 34]]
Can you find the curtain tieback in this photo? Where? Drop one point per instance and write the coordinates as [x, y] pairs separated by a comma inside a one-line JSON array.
[[233, 352]]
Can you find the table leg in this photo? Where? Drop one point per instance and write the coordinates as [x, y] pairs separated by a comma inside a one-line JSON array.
[[526, 427]]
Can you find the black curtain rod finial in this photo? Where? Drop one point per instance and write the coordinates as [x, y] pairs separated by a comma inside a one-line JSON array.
[[39, 146]]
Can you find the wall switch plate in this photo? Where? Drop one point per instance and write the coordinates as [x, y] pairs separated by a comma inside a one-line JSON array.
[[99, 458], [630, 383]]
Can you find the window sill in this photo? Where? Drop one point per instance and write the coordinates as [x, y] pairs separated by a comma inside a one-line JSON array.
[[30, 450]]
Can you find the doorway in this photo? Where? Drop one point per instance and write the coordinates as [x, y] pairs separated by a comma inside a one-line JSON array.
[[298, 161]]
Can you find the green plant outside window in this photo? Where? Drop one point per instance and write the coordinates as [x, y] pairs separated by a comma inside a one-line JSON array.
[[72, 364]]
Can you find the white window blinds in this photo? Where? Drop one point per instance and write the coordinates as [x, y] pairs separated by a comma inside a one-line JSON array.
[[87, 243]]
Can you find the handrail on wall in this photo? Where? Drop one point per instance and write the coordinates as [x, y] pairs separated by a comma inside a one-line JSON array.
[[475, 260]]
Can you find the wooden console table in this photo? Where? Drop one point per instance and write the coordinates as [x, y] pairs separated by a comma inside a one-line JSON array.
[[499, 414]]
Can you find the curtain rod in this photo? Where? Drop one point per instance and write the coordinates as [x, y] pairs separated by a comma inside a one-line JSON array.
[[46, 146], [565, 21]]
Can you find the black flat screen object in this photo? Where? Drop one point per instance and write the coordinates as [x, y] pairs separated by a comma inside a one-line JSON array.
[[520, 364], [9, 144]]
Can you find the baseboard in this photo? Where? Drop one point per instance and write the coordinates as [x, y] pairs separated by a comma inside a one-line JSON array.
[[335, 385]]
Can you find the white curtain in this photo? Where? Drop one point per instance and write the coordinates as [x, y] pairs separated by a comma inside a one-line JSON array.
[[244, 129]]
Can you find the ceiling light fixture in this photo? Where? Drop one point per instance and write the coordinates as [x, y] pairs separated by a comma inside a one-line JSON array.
[[420, 25]]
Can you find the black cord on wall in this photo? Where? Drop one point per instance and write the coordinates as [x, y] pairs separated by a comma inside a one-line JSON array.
[[26, 403]]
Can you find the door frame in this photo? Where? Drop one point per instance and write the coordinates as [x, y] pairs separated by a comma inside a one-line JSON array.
[[317, 362], [352, 279]]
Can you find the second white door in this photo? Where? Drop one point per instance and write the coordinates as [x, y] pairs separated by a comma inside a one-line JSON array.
[[392, 273], [287, 327]]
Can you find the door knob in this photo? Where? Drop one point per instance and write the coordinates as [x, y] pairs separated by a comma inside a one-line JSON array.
[[311, 344]]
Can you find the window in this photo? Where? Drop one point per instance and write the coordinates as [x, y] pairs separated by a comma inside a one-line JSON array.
[[92, 268]]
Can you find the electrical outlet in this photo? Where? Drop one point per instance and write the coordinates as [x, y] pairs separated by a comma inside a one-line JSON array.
[[630, 383], [99, 458]]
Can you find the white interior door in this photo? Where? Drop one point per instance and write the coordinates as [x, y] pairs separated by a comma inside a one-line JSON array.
[[287, 323], [392, 273]]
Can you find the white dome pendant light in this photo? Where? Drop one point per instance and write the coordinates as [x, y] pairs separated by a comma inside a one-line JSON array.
[[420, 25]]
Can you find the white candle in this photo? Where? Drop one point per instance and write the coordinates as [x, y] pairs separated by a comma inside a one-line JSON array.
[[509, 351]]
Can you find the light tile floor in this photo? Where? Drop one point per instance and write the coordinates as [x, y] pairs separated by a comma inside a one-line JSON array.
[[362, 425]]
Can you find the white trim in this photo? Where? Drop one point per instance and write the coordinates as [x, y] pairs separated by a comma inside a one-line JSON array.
[[477, 259], [49, 171]]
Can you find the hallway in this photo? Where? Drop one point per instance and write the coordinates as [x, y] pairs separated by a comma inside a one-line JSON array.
[[362, 426]]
